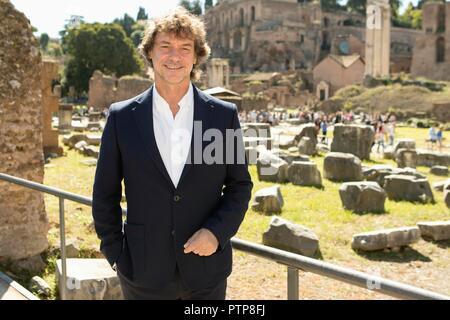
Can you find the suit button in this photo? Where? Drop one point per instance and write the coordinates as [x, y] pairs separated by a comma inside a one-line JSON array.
[[173, 232], [176, 198]]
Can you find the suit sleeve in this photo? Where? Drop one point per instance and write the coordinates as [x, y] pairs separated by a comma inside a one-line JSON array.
[[107, 193], [233, 204]]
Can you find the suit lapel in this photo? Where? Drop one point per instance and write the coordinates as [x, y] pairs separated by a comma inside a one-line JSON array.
[[143, 116]]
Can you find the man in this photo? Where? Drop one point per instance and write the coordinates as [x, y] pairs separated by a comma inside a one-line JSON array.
[[182, 209]]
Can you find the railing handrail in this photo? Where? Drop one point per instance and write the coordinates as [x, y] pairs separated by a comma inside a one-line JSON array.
[[292, 260], [344, 274]]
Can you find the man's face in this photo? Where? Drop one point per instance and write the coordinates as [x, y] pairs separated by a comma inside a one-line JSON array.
[[173, 58]]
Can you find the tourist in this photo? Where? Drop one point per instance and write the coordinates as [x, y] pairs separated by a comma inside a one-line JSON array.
[[432, 136], [439, 137], [379, 136], [390, 128], [324, 129]]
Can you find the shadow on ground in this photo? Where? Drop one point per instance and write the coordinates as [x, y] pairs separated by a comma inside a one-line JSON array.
[[406, 254]]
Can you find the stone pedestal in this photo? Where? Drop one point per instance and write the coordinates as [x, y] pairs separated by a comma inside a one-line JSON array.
[[65, 117], [50, 103], [89, 279]]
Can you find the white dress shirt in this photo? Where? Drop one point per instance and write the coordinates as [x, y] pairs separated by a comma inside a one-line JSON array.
[[173, 135]]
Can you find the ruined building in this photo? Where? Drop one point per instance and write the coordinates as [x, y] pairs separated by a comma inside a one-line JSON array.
[[280, 35], [432, 50], [105, 90]]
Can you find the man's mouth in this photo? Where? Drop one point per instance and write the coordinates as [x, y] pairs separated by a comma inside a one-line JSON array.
[[173, 68]]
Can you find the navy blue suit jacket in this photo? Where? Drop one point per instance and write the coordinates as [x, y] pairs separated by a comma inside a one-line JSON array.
[[161, 218]]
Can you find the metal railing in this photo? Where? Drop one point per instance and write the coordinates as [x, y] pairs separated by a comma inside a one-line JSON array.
[[294, 262]]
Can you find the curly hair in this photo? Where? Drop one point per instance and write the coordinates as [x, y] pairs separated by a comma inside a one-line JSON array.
[[184, 25]]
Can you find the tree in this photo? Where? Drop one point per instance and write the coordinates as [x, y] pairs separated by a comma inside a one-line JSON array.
[[185, 4], [54, 50], [411, 18], [69, 25], [395, 6], [193, 7], [43, 41], [416, 19], [142, 15], [97, 46], [208, 4], [356, 6], [330, 4], [127, 23], [359, 6], [138, 33], [196, 7]]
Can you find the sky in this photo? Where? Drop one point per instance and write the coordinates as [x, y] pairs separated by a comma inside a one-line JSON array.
[[49, 15]]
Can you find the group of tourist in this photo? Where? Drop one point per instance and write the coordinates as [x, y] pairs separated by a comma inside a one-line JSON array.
[[384, 124], [384, 127]]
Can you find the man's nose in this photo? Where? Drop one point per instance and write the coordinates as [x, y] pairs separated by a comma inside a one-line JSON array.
[[174, 54]]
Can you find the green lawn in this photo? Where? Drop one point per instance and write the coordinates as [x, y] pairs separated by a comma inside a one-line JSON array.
[[321, 210]]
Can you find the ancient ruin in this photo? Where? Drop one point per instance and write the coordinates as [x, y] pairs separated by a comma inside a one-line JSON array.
[[378, 34], [50, 103], [23, 220], [105, 90], [288, 35], [431, 57], [218, 72]]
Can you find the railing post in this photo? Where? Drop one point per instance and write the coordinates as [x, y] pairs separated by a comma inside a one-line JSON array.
[[292, 283], [62, 236]]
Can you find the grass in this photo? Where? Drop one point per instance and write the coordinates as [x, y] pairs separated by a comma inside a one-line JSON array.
[[321, 210], [317, 209]]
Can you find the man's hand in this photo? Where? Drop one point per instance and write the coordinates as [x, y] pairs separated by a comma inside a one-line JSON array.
[[203, 243]]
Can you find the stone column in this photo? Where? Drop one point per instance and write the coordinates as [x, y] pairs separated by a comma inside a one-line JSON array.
[[378, 39], [50, 103], [218, 75]]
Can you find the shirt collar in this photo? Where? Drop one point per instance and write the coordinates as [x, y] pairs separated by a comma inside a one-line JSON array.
[[186, 102]]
